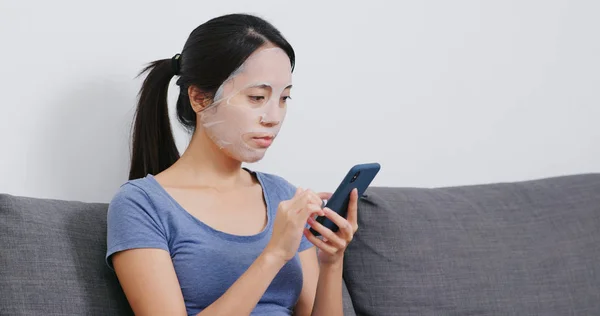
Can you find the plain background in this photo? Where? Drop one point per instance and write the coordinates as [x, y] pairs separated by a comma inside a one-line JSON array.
[[439, 92]]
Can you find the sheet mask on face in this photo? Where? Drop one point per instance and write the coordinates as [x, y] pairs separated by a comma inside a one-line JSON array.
[[249, 107]]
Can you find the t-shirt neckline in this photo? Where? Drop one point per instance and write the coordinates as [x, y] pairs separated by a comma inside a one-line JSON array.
[[210, 229]]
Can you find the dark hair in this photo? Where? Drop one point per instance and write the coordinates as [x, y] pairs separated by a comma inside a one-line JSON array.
[[211, 53]]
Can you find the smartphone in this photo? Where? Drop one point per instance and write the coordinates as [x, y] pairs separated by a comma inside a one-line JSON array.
[[359, 177]]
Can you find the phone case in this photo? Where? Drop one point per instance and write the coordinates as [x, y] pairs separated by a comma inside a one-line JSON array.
[[359, 177]]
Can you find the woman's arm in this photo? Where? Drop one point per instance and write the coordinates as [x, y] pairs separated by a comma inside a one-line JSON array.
[[322, 287], [149, 281], [310, 273], [328, 300], [241, 298], [330, 258]]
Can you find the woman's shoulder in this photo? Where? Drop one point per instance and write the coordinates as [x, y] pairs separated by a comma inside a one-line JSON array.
[[138, 194], [132, 190]]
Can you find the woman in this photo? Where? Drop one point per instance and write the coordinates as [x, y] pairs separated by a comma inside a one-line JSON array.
[[199, 234]]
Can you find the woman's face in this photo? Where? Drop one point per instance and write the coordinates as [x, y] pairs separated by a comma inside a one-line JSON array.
[[250, 106]]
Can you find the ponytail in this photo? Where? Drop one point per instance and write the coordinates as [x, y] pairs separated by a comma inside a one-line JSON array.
[[153, 144]]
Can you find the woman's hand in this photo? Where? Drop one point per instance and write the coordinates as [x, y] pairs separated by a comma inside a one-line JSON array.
[[333, 245], [290, 220]]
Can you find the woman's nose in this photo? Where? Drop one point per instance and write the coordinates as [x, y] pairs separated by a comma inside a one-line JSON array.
[[272, 115], [268, 121]]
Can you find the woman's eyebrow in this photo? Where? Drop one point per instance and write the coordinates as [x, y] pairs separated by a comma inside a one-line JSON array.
[[261, 86], [267, 86]]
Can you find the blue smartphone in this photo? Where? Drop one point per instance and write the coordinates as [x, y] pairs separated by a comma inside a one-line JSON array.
[[359, 177]]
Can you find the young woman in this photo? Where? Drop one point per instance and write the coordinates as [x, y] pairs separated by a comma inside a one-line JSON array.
[[197, 234]]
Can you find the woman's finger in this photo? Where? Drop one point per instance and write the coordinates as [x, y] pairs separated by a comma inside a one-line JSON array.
[[299, 201], [352, 217], [319, 243], [346, 232], [345, 228], [343, 224], [327, 233], [312, 209], [307, 196], [325, 195], [298, 192], [314, 198]]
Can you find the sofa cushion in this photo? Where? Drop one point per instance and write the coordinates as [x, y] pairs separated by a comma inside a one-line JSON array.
[[528, 248], [52, 259]]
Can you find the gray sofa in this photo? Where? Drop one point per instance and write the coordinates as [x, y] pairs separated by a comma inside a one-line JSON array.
[[526, 248]]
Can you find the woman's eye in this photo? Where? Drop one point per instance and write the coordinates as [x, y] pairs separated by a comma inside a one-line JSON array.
[[284, 99], [256, 98]]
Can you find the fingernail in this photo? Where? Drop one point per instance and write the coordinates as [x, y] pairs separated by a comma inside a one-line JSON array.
[[311, 220]]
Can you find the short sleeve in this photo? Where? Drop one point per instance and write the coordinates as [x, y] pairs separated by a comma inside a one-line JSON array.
[[133, 222]]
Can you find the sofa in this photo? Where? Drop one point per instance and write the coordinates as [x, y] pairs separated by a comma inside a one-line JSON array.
[[523, 248]]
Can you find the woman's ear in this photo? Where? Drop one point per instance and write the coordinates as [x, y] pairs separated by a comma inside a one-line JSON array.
[[198, 98]]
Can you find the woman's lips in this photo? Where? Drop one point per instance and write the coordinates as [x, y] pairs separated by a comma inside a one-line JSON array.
[[263, 142]]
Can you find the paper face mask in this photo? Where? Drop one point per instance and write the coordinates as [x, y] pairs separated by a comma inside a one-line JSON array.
[[250, 106]]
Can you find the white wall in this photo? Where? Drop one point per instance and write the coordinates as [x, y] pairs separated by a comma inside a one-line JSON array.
[[439, 92]]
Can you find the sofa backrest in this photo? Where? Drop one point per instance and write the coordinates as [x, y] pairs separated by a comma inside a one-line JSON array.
[[512, 249], [52, 259], [527, 248]]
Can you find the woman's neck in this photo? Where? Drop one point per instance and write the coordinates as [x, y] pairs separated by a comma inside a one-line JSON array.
[[205, 164]]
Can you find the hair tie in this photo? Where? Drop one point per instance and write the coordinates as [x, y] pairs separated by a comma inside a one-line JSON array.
[[175, 64]]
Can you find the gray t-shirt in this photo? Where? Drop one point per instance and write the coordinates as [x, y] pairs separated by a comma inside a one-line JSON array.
[[207, 261]]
